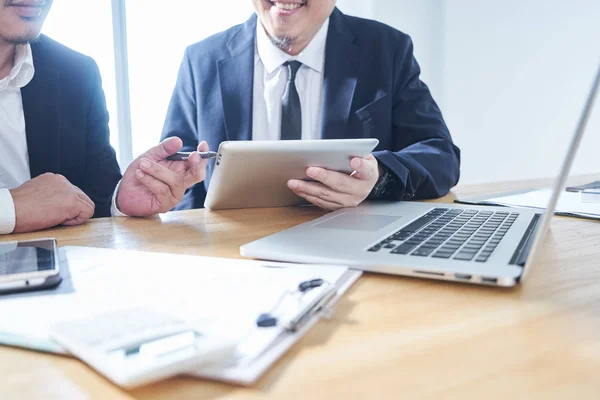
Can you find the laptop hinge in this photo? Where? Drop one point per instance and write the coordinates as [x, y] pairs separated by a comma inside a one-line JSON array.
[[522, 251]]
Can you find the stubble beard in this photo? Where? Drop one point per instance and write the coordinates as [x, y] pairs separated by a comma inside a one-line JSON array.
[[283, 42]]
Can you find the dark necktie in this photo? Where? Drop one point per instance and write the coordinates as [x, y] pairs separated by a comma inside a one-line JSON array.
[[291, 115]]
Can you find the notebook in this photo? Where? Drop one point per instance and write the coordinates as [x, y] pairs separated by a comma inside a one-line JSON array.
[[217, 295]]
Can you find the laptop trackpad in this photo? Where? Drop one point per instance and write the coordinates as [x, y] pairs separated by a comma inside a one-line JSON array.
[[358, 222]]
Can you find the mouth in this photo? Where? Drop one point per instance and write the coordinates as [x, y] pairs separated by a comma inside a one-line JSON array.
[[287, 7], [28, 9]]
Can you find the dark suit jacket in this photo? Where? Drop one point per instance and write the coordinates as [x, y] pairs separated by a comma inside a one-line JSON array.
[[67, 123], [371, 88]]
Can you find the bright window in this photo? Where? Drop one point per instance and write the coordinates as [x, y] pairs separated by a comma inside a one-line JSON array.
[[158, 33], [86, 26]]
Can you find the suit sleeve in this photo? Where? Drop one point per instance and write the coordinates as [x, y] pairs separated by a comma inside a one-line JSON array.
[[424, 162], [181, 114], [102, 171]]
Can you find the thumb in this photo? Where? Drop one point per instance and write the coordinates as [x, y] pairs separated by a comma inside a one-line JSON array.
[[164, 149], [364, 168]]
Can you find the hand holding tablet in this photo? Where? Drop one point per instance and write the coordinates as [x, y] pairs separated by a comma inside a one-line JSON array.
[[251, 174]]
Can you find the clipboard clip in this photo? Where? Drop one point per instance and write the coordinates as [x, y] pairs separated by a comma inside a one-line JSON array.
[[310, 297]]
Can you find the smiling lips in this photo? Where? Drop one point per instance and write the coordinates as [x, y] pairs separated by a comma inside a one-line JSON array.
[[287, 7]]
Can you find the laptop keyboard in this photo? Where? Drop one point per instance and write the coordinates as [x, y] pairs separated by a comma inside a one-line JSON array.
[[460, 234]]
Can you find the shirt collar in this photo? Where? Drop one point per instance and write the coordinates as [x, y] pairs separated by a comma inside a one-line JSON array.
[[313, 55], [22, 71]]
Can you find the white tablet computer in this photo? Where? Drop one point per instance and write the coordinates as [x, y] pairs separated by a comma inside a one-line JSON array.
[[251, 174]]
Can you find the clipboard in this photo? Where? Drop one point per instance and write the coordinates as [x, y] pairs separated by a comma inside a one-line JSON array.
[[96, 280]]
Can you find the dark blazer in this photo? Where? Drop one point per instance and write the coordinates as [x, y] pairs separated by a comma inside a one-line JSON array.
[[67, 123], [371, 88]]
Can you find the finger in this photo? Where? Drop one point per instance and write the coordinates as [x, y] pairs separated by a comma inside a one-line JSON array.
[[163, 174], [164, 149], [336, 180], [319, 202], [159, 189], [196, 171], [203, 146], [365, 168], [75, 221], [81, 194], [83, 212], [84, 197], [86, 210], [319, 190]]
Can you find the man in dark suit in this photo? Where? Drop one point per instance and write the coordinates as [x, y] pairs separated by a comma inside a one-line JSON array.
[[56, 162], [301, 69]]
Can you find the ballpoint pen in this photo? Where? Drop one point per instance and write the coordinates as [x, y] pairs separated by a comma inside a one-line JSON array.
[[185, 155]]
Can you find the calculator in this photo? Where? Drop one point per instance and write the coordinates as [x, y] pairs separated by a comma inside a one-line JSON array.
[[134, 347]]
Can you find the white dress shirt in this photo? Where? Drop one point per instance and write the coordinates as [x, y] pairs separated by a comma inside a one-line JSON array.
[[270, 80], [14, 157]]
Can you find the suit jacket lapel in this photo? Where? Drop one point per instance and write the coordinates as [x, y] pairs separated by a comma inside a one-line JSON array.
[[40, 98], [236, 75], [342, 63]]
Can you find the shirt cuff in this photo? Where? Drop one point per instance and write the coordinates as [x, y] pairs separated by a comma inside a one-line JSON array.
[[7, 212], [114, 210]]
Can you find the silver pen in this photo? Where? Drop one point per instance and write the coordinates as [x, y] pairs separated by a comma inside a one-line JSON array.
[[185, 155]]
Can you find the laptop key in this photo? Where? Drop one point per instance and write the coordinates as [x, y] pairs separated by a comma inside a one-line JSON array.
[[422, 252], [417, 224], [404, 248], [464, 256], [442, 255]]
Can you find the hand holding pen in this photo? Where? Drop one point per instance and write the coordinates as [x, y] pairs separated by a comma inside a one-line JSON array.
[[152, 185]]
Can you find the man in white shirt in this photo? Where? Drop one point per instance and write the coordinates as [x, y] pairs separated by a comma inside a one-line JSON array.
[[56, 162], [301, 69]]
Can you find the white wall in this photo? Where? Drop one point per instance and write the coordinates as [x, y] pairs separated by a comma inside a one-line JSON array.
[[515, 77], [421, 19], [511, 77]]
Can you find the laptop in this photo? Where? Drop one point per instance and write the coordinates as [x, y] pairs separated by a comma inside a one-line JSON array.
[[473, 244]]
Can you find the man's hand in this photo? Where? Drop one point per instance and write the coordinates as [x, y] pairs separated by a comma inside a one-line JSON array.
[[334, 190], [49, 200], [151, 184]]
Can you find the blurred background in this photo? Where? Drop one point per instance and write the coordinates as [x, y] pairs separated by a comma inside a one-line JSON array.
[[510, 77]]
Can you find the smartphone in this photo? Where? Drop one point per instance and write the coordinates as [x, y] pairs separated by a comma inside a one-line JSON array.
[[28, 265]]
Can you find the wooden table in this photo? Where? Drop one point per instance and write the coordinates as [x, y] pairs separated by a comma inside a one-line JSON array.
[[390, 337]]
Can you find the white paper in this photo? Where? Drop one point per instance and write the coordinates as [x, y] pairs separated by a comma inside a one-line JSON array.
[[218, 296], [568, 202]]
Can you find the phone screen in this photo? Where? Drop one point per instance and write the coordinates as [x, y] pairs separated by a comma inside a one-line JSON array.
[[24, 257]]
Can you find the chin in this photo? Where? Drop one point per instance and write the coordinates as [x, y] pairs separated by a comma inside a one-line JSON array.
[[22, 37]]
